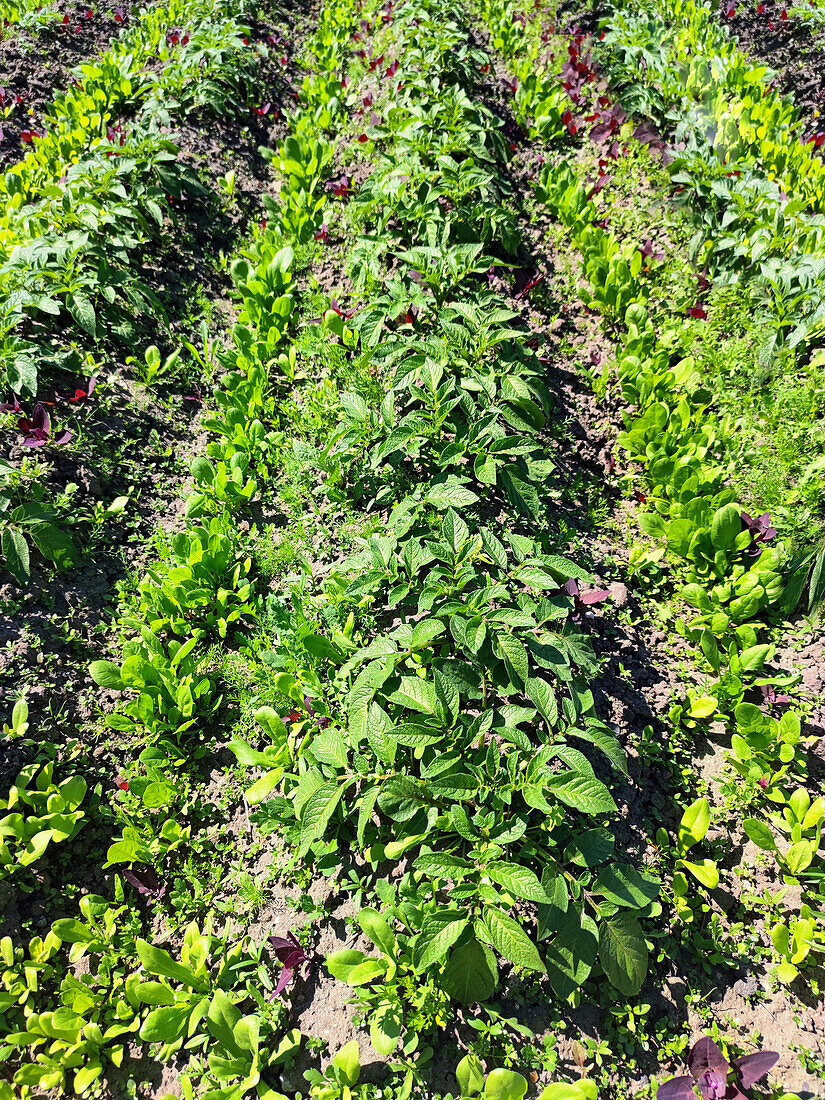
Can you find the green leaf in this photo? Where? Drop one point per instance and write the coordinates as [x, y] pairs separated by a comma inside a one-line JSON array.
[[159, 962], [16, 554], [605, 743], [571, 952], [625, 886], [367, 805], [511, 941], [386, 1026], [53, 543], [521, 493], [155, 993], [694, 824], [378, 930], [439, 932], [451, 494], [441, 864], [470, 974], [454, 530], [724, 527], [317, 812], [760, 833], [416, 694], [470, 1075], [223, 1016], [540, 693], [519, 881], [106, 674], [799, 856], [165, 1024], [354, 967], [584, 793], [623, 953], [348, 1062], [564, 1090], [515, 657], [704, 872], [83, 312], [505, 1084]]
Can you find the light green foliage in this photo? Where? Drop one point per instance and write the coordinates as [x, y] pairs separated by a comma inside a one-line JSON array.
[[36, 813]]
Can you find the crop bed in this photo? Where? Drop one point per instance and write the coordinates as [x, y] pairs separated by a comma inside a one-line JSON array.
[[411, 534]]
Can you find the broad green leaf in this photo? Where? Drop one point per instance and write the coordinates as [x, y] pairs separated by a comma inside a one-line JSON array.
[[623, 953], [694, 824], [517, 880], [376, 927], [505, 1084], [440, 864], [106, 674], [581, 792], [704, 872], [165, 1024], [386, 1026], [454, 530], [570, 953], [799, 856], [725, 526], [625, 886], [511, 941], [702, 706], [354, 967], [159, 962], [155, 993], [83, 312], [318, 811], [470, 1075], [515, 656], [348, 1062], [439, 932], [16, 554], [540, 692], [563, 1090], [470, 974], [415, 693]]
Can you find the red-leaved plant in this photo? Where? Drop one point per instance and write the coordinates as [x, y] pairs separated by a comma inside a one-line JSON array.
[[709, 1072]]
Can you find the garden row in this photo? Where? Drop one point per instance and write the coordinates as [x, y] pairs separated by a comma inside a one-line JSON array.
[[86, 211], [383, 713], [736, 583], [416, 695]]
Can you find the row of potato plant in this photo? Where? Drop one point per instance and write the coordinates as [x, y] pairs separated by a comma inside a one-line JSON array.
[[95, 187], [96, 190], [736, 582], [204, 590], [437, 684], [64, 1030]]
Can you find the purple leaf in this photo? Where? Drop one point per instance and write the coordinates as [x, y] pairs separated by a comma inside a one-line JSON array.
[[752, 1067], [596, 596], [647, 134], [41, 419], [713, 1084], [677, 1088], [289, 952], [283, 981], [63, 437], [145, 880], [705, 1055]]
